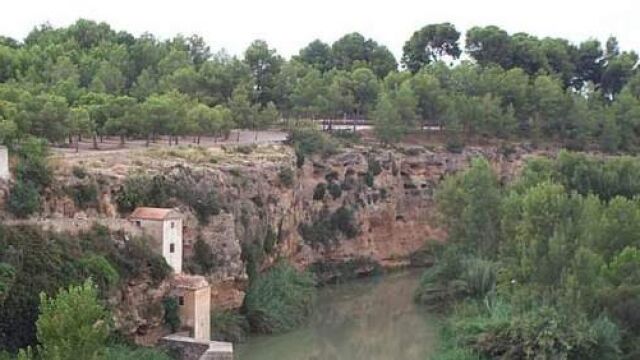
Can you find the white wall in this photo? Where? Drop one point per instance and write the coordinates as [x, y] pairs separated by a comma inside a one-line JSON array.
[[4, 163], [172, 235]]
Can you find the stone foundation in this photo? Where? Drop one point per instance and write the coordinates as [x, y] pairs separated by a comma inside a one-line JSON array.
[[186, 348]]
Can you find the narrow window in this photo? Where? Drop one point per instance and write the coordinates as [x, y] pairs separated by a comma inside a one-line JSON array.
[[172, 248], [138, 223], [181, 300], [173, 224]]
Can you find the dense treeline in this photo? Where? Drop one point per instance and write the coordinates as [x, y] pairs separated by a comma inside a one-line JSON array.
[[548, 267], [90, 80]]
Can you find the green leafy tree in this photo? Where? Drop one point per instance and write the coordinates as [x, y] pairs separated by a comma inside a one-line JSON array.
[[430, 44], [73, 324]]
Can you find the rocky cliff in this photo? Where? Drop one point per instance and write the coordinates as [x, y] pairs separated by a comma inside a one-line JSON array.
[[360, 203]]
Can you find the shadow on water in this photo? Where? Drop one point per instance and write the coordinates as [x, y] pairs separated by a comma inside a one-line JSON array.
[[372, 319]]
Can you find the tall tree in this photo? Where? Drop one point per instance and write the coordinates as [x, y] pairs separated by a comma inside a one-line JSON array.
[[430, 44], [264, 64], [318, 55]]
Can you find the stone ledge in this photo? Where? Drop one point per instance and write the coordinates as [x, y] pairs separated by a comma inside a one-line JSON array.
[[187, 348]]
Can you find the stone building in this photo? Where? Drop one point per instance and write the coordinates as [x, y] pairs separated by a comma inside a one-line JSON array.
[[164, 226], [4, 163], [193, 294]]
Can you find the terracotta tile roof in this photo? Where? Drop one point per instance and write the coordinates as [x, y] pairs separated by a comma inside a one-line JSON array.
[[149, 213]]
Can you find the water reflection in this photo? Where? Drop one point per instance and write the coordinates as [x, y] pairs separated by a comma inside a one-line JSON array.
[[371, 319]]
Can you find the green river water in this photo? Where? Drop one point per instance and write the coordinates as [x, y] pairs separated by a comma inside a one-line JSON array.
[[371, 319]]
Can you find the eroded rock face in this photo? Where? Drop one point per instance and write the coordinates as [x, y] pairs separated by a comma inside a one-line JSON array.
[[390, 192]]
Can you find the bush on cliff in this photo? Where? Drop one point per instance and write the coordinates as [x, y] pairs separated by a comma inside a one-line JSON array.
[[42, 261], [279, 299]]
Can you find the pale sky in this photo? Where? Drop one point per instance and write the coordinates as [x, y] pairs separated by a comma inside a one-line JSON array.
[[289, 25]]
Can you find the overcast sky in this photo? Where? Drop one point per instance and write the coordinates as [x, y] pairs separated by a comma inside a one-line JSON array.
[[288, 25]]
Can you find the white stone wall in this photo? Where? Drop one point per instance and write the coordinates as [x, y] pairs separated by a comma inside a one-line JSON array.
[[4, 163], [202, 318], [172, 234]]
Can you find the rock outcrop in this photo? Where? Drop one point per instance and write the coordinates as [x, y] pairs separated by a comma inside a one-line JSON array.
[[389, 194]]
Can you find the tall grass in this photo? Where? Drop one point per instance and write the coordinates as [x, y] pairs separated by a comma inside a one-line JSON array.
[[279, 299]]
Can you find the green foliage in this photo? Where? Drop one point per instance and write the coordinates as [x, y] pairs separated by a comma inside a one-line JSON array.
[[171, 316], [79, 172], [335, 190], [61, 83], [84, 195], [161, 191], [203, 257], [100, 270], [32, 175], [309, 141], [319, 191], [229, 326], [24, 199], [567, 262], [470, 208], [270, 241], [72, 325], [279, 299], [44, 262], [325, 231], [286, 176], [121, 352]]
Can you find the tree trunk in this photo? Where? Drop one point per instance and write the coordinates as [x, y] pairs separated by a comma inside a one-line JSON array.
[[70, 139], [198, 140], [255, 139], [95, 141], [121, 140], [175, 139], [238, 136], [78, 144], [147, 142]]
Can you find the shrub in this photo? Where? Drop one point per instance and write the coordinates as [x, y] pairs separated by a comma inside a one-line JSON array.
[[84, 195], [325, 230], [229, 326], [344, 221], [286, 176], [100, 270], [309, 141], [171, 317], [335, 190], [279, 299], [369, 179], [480, 277], [24, 199], [205, 206], [319, 191], [373, 166], [73, 324], [454, 145], [203, 256], [79, 172], [245, 149], [270, 241], [121, 352]]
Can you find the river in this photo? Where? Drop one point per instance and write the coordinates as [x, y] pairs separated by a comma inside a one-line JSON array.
[[371, 319]]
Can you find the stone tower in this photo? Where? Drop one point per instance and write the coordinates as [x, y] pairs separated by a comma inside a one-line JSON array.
[[193, 294]]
